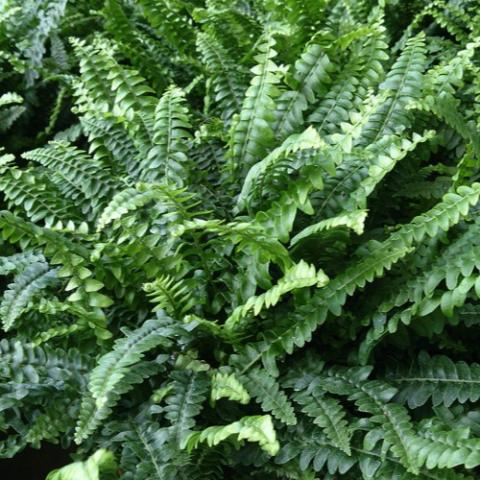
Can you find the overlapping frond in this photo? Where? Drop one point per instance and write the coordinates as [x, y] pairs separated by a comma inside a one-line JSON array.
[[240, 237]]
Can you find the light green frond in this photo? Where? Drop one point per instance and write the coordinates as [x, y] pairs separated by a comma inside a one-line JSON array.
[[257, 429], [226, 385]]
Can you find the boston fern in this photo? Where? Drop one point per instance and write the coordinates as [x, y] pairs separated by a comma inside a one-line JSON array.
[[240, 239]]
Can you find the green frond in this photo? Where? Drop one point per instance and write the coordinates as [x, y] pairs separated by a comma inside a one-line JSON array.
[[14, 110], [255, 178], [311, 450], [434, 448], [49, 425], [233, 24], [301, 275], [26, 190], [145, 451], [10, 98], [266, 391], [106, 86], [363, 71], [437, 378], [189, 391], [403, 84], [167, 160], [74, 166], [99, 465], [328, 414], [93, 411], [373, 397], [168, 197], [229, 86], [353, 220], [257, 429], [172, 22], [31, 50], [114, 374], [61, 251], [358, 176], [333, 296], [310, 79], [226, 385], [110, 143], [122, 203], [171, 294], [93, 93], [456, 19], [423, 295], [17, 262], [134, 43], [252, 132], [23, 362], [28, 283], [246, 236]]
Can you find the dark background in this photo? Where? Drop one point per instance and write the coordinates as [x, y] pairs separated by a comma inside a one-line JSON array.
[[34, 464]]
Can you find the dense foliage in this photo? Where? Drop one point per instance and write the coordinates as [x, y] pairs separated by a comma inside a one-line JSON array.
[[240, 239]]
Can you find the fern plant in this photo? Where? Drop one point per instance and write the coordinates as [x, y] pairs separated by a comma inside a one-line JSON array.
[[243, 239]]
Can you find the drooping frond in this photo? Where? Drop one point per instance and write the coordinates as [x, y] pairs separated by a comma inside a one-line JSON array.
[[298, 276], [373, 397], [253, 429], [333, 296], [353, 220], [228, 386], [99, 465]]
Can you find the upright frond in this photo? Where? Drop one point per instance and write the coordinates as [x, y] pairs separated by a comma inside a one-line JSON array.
[[252, 131]]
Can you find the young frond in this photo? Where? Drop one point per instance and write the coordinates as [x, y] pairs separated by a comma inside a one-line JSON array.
[[298, 276], [253, 429], [228, 386]]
